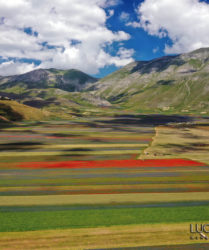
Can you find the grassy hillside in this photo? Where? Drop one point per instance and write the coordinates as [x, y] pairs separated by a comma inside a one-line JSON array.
[[14, 111], [172, 84], [57, 91]]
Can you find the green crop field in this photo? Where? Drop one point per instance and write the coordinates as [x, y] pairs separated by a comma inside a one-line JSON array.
[[41, 218]]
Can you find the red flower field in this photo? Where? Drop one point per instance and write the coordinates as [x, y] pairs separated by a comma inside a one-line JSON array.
[[114, 164]]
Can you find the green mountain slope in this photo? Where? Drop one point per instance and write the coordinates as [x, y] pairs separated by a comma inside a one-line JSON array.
[[57, 91], [168, 84], [171, 84], [14, 111], [70, 80]]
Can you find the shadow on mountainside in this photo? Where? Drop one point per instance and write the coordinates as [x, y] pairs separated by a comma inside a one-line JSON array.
[[7, 112], [157, 65]]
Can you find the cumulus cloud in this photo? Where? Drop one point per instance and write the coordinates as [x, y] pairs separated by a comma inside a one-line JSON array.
[[15, 67], [61, 34], [185, 22]]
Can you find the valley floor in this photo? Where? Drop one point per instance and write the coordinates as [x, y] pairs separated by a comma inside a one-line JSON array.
[[78, 184]]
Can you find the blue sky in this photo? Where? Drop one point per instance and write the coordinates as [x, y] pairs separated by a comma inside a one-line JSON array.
[[146, 46], [97, 36]]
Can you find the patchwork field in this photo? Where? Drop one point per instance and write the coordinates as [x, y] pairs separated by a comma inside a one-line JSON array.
[[81, 140], [80, 185]]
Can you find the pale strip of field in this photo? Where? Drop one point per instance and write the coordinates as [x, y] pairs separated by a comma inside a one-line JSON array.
[[99, 238], [174, 142], [55, 153], [102, 199], [95, 188]]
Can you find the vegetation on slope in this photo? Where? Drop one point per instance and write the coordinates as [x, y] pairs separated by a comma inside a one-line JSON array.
[[57, 91], [14, 111], [172, 84]]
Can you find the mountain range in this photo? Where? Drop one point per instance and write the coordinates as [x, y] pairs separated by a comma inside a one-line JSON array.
[[178, 84], [172, 84]]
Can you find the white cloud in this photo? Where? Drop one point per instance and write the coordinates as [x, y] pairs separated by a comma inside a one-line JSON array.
[[15, 68], [134, 24], [124, 16], [111, 13], [62, 34], [185, 22], [125, 53], [155, 50], [110, 3]]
